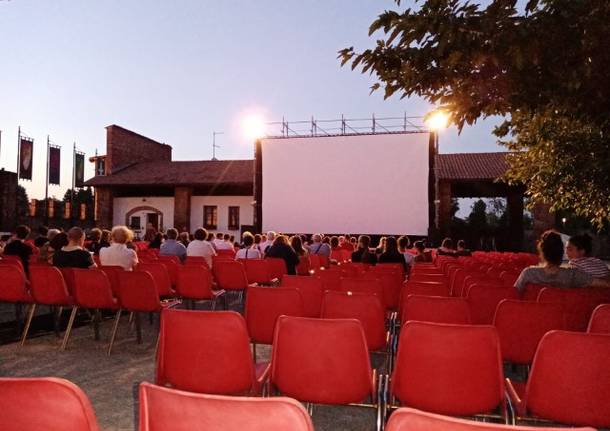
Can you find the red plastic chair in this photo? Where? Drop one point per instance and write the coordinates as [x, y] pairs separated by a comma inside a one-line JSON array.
[[47, 287], [258, 270], [161, 276], [364, 307], [484, 299], [330, 278], [277, 267], [363, 285], [311, 292], [12, 260], [436, 309], [304, 267], [578, 304], [449, 369], [112, 272], [406, 419], [522, 324], [315, 262], [14, 285], [50, 404], [195, 283], [569, 381], [159, 407], [196, 260], [207, 352], [230, 275], [264, 305], [323, 361], [600, 320], [91, 290]]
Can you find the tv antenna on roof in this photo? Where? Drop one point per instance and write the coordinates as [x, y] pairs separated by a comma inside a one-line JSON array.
[[214, 146]]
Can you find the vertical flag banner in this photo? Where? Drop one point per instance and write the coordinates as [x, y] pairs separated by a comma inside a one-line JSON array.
[[79, 169], [54, 165], [26, 156]]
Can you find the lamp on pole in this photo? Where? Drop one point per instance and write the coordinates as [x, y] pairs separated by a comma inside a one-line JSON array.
[[436, 120]]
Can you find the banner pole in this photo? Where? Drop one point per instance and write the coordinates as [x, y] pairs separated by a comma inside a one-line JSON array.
[[73, 183], [46, 187], [18, 150]]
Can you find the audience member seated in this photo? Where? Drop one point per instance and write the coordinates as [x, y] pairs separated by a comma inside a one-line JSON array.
[[184, 238], [200, 246], [151, 232], [296, 242], [257, 242], [18, 247], [172, 247], [45, 251], [42, 237], [421, 255], [157, 241], [461, 249], [363, 253], [74, 255], [550, 248], [446, 248], [96, 243], [391, 254], [60, 240], [404, 243], [579, 250], [248, 251], [267, 241], [220, 244], [380, 246], [334, 243], [118, 254], [345, 244], [318, 247], [281, 249]]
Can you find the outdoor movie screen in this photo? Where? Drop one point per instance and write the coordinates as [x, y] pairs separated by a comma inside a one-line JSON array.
[[362, 184]]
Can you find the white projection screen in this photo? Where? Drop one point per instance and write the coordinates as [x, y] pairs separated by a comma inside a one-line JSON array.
[[361, 184]]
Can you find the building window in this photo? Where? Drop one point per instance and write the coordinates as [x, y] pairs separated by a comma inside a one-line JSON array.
[[210, 217], [233, 218]]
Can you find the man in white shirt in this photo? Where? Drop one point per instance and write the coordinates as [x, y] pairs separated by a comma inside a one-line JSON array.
[[118, 254], [200, 247], [270, 238], [220, 244], [318, 247]]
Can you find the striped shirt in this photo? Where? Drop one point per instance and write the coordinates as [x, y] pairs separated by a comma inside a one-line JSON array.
[[591, 265]]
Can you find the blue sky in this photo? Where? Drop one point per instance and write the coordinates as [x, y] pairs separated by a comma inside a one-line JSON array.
[[178, 70]]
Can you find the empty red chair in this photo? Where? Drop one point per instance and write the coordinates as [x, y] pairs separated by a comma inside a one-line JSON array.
[[569, 381], [431, 288], [391, 284], [600, 320], [521, 325], [437, 309], [364, 307], [277, 267], [47, 287], [14, 285], [484, 299], [207, 352], [304, 267], [448, 369], [363, 285], [311, 292], [195, 283], [196, 260], [158, 407], [44, 403], [264, 305], [12, 260], [112, 272], [315, 262], [406, 419], [331, 279], [160, 274], [257, 270], [419, 277], [578, 304], [323, 361], [230, 275], [389, 267]]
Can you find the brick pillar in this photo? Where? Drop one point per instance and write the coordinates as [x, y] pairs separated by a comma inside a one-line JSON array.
[[103, 207], [543, 219], [444, 207], [514, 205], [182, 208]]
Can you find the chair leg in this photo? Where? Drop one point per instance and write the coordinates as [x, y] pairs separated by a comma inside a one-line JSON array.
[[254, 352], [115, 329], [97, 318], [138, 328], [28, 323], [213, 304], [57, 320], [69, 328]]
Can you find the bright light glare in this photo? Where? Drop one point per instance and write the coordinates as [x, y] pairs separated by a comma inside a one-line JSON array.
[[253, 127], [437, 120]]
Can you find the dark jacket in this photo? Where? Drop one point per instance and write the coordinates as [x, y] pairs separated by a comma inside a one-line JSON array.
[[364, 256], [284, 252]]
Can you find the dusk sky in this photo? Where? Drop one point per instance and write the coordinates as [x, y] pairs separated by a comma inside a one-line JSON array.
[[176, 71]]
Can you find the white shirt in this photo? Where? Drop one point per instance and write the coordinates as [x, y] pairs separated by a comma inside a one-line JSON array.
[[118, 255], [265, 244], [408, 258], [201, 248], [248, 253], [221, 244]]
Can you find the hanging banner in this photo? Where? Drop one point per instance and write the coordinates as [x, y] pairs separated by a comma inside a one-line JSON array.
[[26, 155], [54, 165], [79, 169]]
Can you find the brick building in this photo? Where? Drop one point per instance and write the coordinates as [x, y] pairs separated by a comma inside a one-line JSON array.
[[137, 183]]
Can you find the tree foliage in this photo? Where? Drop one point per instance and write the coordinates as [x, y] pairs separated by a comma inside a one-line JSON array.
[[23, 202], [545, 69]]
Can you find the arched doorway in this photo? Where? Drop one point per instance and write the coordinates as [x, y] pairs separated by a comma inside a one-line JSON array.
[[139, 217]]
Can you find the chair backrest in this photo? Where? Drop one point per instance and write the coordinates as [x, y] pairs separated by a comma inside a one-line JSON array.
[[204, 351], [48, 286], [304, 265], [196, 260], [169, 258], [92, 289], [311, 292], [406, 419], [50, 404], [569, 381], [437, 309], [138, 291], [160, 274], [257, 270], [364, 307], [264, 305], [158, 407], [600, 320], [331, 279], [13, 284], [277, 267], [194, 282], [448, 369], [428, 288], [521, 325], [12, 260], [315, 262], [321, 360], [230, 275], [371, 286], [578, 304], [112, 272], [484, 299]]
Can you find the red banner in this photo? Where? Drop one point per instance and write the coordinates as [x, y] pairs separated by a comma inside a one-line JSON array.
[[26, 157], [54, 165]]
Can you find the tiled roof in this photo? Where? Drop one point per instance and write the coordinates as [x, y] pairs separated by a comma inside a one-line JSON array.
[[194, 173], [471, 166]]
